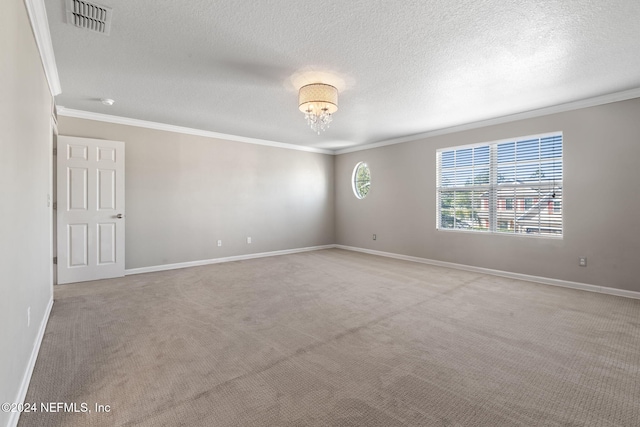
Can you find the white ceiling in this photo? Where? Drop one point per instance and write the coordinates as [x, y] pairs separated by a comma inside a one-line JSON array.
[[403, 67]]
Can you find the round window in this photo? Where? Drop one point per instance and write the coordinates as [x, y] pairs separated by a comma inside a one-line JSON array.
[[361, 180]]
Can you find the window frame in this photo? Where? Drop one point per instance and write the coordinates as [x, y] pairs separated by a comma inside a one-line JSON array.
[[354, 185], [494, 185]]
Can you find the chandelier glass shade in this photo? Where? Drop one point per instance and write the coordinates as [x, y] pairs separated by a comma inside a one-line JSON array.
[[318, 101]]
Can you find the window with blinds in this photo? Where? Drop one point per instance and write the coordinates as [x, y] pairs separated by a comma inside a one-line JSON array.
[[512, 186]]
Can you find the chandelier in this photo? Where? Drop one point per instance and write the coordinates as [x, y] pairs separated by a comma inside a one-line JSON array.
[[318, 101]]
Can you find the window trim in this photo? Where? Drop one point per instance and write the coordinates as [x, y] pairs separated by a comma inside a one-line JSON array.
[[493, 186], [353, 180]]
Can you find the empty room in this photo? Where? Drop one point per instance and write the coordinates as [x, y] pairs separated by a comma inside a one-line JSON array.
[[286, 213]]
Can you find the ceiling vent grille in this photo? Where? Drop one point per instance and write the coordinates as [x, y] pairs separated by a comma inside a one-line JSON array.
[[87, 15]]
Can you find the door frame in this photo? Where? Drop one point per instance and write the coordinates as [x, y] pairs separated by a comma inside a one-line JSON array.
[[119, 207], [53, 191]]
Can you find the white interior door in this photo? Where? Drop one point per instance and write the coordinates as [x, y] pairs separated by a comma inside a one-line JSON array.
[[90, 209]]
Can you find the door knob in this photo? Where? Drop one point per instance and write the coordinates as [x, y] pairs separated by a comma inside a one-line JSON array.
[[119, 216]]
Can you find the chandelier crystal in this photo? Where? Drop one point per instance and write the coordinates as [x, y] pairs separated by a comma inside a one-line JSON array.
[[318, 102]]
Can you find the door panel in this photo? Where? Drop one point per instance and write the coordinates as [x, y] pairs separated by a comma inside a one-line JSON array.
[[107, 243], [78, 245], [106, 189], [78, 189], [90, 209], [79, 152], [106, 154]]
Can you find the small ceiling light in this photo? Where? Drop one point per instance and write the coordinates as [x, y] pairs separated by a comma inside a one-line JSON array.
[[107, 101], [318, 101]]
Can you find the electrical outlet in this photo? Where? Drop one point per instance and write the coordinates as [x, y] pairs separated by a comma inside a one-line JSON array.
[[28, 316], [248, 239], [219, 242], [582, 261], [374, 237]]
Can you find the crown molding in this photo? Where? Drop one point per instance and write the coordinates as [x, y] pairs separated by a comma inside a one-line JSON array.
[[570, 106], [561, 108], [40, 26], [80, 114]]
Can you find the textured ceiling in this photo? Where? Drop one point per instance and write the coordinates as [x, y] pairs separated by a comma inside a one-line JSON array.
[[403, 66]]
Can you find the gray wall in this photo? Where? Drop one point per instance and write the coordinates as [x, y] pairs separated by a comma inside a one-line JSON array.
[[25, 177], [601, 201], [185, 192]]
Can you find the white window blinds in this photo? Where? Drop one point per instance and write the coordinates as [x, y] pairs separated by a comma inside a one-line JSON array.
[[512, 186]]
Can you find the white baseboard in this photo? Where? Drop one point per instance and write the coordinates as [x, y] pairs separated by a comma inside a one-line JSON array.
[[224, 259], [511, 275], [26, 379], [518, 276]]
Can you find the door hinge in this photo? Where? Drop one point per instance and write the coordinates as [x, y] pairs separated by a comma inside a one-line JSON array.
[[55, 205], [55, 151], [55, 259]]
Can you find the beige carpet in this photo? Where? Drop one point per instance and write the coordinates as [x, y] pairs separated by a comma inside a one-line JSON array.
[[336, 338]]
